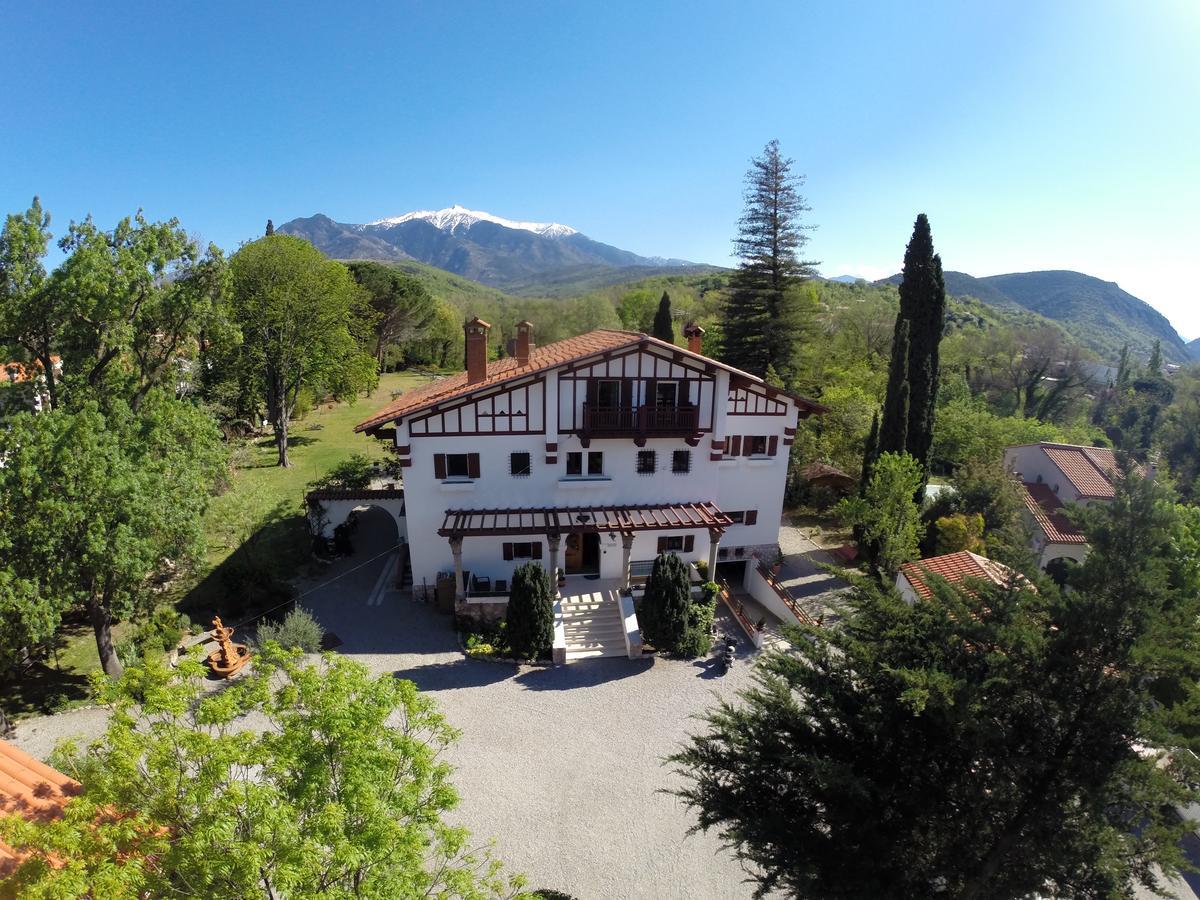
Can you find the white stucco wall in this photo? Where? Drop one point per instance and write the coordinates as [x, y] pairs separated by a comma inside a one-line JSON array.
[[758, 588], [907, 593], [1034, 466]]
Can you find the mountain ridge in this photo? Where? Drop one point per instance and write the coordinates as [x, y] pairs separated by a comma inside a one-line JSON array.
[[490, 249], [1098, 314]]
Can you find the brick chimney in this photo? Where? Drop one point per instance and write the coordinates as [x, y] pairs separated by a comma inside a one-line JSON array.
[[524, 342], [476, 332], [695, 336]]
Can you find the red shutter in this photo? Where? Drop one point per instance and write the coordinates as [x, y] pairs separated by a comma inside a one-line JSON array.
[[747, 444], [537, 550], [689, 543], [508, 554], [662, 545], [734, 447], [472, 465], [751, 517], [772, 445], [439, 466]]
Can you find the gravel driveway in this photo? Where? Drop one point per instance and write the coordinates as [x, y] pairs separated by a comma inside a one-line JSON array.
[[562, 766]]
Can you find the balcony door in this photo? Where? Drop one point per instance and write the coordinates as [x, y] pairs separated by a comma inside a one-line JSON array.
[[608, 393], [666, 394]]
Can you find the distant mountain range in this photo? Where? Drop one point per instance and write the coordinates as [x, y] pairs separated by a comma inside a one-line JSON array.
[[1194, 349], [1097, 314], [499, 252]]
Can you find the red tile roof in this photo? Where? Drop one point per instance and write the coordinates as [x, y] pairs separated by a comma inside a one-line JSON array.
[[30, 789], [1089, 469], [1046, 509], [17, 372], [955, 568], [540, 359]]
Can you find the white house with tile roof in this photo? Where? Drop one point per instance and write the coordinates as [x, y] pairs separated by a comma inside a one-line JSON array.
[[1054, 476], [915, 579], [591, 454]]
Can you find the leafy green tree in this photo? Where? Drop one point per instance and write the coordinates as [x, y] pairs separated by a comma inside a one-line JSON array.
[[636, 311], [138, 299], [959, 531], [923, 308], [31, 316], [342, 794], [302, 325], [664, 328], [765, 316], [665, 610], [996, 742], [530, 612], [403, 305], [93, 507], [886, 514]]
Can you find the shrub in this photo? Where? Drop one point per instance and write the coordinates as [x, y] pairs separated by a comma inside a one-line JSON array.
[[961, 531], [665, 608], [530, 614], [298, 631], [354, 473], [697, 638], [161, 631]]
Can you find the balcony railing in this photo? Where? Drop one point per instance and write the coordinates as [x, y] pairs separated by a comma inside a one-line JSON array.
[[646, 420]]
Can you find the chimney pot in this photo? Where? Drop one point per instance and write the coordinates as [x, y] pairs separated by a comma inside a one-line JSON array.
[[476, 332], [524, 342], [695, 337]]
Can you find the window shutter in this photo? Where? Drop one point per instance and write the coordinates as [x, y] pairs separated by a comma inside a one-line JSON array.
[[751, 517], [689, 543], [508, 554], [735, 445], [439, 466], [662, 545], [593, 391], [537, 550], [772, 445], [472, 465], [747, 444], [651, 392], [627, 392]]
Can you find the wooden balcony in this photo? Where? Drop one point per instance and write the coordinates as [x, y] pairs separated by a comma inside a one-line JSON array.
[[640, 421]]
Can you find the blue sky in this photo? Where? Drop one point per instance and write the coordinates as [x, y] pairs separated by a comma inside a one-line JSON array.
[[1058, 134]]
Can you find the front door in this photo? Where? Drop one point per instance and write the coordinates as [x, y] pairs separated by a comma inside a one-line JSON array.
[[582, 554]]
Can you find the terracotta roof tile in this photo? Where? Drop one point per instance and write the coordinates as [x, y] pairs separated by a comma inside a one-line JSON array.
[[30, 789], [1089, 469], [955, 568], [540, 359], [1046, 509]]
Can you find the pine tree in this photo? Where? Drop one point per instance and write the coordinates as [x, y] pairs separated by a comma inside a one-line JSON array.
[[664, 328], [1155, 364], [1025, 739], [270, 228], [765, 317], [530, 612]]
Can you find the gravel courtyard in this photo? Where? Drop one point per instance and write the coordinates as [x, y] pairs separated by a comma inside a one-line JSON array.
[[561, 767]]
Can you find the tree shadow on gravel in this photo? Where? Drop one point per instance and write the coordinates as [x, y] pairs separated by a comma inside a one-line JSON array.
[[583, 674], [457, 675]]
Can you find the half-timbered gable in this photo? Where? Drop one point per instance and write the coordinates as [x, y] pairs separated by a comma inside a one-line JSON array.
[[515, 408]]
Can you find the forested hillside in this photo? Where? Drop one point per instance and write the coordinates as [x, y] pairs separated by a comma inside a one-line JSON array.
[[1099, 315]]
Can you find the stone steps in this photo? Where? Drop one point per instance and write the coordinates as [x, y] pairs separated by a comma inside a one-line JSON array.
[[593, 628]]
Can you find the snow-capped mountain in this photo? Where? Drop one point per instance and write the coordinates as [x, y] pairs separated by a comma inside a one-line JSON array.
[[505, 253], [455, 218]]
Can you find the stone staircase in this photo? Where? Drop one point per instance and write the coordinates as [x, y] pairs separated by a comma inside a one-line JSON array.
[[593, 626]]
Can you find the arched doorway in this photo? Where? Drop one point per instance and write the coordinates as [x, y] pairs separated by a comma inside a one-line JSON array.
[[1059, 569]]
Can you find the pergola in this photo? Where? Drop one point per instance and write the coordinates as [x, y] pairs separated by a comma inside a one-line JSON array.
[[553, 522]]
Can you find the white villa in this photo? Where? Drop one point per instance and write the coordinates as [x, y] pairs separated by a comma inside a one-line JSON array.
[[1053, 476], [915, 579], [591, 454]]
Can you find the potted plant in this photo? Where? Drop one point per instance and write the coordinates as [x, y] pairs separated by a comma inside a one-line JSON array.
[[562, 578], [777, 561]]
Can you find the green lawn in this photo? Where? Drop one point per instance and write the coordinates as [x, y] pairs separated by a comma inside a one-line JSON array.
[[262, 507]]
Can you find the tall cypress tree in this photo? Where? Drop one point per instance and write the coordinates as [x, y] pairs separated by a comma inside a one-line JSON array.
[[914, 374], [893, 431], [764, 316], [664, 328], [270, 228]]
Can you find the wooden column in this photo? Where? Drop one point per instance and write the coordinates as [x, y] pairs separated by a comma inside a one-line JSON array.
[[460, 589]]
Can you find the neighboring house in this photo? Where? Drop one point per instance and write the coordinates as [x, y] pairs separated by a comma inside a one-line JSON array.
[[915, 581], [24, 385], [592, 454], [32, 790], [1052, 477]]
